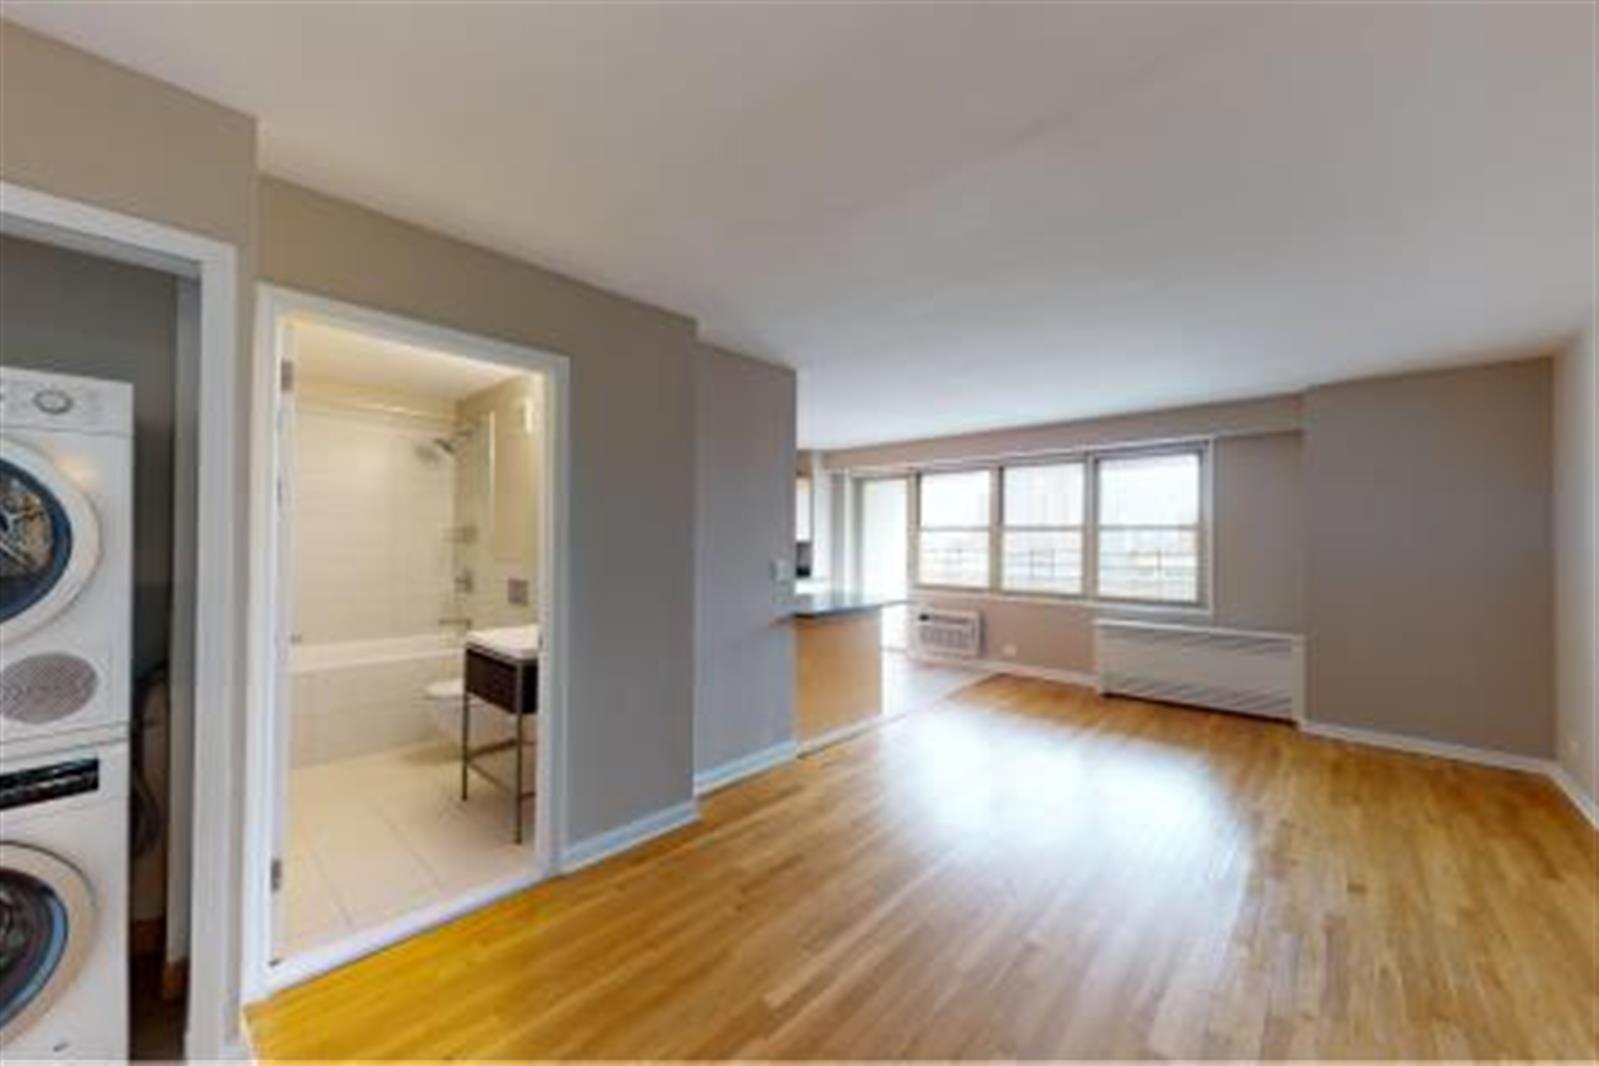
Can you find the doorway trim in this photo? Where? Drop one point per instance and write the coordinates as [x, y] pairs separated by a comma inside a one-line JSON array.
[[213, 1028], [274, 306]]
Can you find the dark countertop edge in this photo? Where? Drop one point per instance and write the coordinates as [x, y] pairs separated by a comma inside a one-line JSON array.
[[829, 605]]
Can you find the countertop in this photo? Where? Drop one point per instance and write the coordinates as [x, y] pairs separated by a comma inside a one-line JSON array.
[[833, 601], [516, 643]]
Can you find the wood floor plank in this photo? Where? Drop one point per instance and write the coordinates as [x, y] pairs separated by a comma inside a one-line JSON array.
[[1028, 870]]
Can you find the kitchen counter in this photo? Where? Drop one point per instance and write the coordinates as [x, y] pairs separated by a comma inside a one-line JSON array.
[[838, 664], [833, 601]]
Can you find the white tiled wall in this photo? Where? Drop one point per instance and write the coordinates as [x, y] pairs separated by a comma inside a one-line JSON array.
[[373, 510]]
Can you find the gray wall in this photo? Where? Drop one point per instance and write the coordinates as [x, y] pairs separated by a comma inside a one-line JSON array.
[[1258, 521], [79, 314], [631, 552], [744, 645], [1429, 581], [1576, 644]]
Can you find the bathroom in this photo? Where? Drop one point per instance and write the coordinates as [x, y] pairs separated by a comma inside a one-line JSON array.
[[412, 517]]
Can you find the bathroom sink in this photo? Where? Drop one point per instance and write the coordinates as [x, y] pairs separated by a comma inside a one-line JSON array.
[[509, 642]]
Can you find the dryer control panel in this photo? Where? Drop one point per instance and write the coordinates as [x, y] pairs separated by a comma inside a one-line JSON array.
[[35, 400]]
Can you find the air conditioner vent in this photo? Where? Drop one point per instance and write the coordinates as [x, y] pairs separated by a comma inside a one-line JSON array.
[[956, 634]]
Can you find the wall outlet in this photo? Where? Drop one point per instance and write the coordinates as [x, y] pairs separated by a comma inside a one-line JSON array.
[[518, 592], [1008, 651]]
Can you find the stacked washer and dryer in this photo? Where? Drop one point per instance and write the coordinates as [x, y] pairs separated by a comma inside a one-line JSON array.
[[66, 530]]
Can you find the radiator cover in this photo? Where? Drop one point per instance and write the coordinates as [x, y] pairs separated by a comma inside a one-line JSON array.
[[1248, 672]]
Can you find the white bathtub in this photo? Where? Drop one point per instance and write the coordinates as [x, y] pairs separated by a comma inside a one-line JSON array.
[[357, 697]]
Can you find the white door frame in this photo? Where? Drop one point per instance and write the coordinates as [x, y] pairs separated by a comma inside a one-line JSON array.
[[213, 1020], [274, 306]]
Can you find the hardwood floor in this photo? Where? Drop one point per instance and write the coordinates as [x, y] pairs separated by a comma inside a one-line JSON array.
[[1029, 871]]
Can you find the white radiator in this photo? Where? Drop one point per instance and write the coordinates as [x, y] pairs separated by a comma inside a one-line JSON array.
[[1227, 669], [948, 633]]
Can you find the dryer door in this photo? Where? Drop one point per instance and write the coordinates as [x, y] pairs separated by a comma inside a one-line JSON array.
[[46, 925], [49, 540]]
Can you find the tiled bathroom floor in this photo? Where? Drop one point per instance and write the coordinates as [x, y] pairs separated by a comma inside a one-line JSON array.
[[379, 836]]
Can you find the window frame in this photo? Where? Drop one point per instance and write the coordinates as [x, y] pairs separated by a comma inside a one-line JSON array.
[[1089, 596], [917, 529], [1202, 535], [1083, 529]]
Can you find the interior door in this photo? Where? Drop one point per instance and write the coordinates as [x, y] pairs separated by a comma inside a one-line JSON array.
[[885, 550], [283, 641]]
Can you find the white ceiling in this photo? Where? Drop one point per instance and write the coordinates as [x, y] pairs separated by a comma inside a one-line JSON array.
[[959, 217], [344, 357]]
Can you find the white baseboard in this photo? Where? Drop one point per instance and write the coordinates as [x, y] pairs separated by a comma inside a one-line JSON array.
[[1420, 746], [601, 846], [1574, 792], [745, 766], [1082, 678]]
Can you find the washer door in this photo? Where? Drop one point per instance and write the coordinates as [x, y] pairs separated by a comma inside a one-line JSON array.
[[49, 540], [46, 926]]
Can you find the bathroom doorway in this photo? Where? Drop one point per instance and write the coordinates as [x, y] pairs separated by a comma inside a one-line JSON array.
[[408, 771]]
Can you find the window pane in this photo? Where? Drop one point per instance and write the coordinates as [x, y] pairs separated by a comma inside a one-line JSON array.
[[954, 558], [1039, 561], [1044, 495], [1149, 564], [1149, 490], [955, 499], [802, 509]]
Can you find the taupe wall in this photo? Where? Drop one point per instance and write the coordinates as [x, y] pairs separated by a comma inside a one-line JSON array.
[[631, 546], [744, 674], [1274, 414], [1258, 521], [1429, 578], [1576, 644]]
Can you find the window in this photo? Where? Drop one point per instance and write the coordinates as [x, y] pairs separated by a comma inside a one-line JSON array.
[[954, 542], [1041, 542], [1149, 528], [1114, 526], [803, 511]]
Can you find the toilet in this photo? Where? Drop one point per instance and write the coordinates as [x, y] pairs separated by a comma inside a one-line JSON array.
[[444, 708]]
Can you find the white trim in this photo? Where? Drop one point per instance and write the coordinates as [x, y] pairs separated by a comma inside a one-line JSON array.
[[1081, 678], [744, 766], [275, 305], [213, 1017], [305, 966], [1420, 746], [1585, 804], [601, 846]]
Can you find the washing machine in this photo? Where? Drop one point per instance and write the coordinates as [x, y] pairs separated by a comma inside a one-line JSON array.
[[66, 533], [63, 904]]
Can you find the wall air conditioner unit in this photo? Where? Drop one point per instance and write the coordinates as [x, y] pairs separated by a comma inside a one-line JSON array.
[[947, 634], [1225, 669]]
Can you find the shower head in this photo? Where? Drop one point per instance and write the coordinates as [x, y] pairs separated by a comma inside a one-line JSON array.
[[445, 445]]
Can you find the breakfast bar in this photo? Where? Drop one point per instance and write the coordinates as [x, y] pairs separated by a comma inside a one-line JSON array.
[[838, 664]]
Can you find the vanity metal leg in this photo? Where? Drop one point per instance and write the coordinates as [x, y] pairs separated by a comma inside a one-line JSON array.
[[516, 797], [466, 738]]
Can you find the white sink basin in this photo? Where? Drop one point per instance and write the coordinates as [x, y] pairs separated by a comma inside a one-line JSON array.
[[509, 642]]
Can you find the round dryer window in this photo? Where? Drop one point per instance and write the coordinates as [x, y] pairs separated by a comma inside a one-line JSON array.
[[49, 540], [46, 921]]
